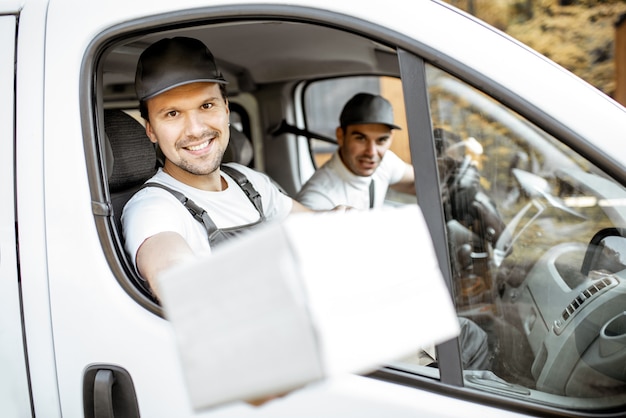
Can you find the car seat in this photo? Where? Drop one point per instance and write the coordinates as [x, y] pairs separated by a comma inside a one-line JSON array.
[[239, 149], [131, 159]]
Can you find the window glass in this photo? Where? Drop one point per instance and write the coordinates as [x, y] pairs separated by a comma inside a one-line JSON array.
[[535, 240]]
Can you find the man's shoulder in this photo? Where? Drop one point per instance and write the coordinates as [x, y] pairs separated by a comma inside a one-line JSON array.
[[391, 167], [318, 192], [260, 181], [326, 175], [159, 185], [246, 171], [153, 194], [391, 157], [238, 167]]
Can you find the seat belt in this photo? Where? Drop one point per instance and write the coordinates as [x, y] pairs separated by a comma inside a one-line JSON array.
[[372, 194]]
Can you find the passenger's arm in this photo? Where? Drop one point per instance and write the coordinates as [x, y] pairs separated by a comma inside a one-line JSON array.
[[160, 252], [300, 208], [407, 182]]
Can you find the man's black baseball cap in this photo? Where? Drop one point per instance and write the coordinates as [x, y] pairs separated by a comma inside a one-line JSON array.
[[173, 62], [365, 108]]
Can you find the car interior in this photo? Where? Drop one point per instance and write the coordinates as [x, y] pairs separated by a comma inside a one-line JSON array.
[[532, 262]]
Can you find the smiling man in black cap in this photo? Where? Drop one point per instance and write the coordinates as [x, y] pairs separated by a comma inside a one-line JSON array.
[[183, 100], [363, 168]]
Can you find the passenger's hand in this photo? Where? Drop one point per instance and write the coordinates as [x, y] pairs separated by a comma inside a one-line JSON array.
[[266, 399], [342, 208]]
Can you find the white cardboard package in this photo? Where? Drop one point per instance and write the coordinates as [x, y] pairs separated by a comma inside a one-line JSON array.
[[312, 297]]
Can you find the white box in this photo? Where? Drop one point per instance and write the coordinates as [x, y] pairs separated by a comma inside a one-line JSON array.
[[315, 296]]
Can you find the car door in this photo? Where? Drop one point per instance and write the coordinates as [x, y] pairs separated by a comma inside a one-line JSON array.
[[104, 327]]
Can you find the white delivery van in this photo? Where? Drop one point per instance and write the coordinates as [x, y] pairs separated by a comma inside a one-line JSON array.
[[520, 172]]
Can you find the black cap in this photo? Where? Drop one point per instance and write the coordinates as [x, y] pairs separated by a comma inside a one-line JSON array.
[[367, 108], [173, 62]]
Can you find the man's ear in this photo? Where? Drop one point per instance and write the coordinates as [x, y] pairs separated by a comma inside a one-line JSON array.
[[150, 133], [339, 135]]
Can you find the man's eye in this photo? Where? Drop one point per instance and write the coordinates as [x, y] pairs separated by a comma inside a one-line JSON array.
[[172, 113], [207, 105]]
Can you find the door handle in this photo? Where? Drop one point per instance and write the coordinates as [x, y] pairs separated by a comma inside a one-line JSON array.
[[103, 394], [108, 392]]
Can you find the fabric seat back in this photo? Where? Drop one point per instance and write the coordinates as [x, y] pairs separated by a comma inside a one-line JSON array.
[[132, 159]]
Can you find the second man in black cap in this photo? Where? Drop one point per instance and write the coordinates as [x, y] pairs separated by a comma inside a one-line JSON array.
[[363, 168]]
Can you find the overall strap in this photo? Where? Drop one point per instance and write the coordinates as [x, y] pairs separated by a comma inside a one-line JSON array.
[[246, 186], [196, 211], [199, 214]]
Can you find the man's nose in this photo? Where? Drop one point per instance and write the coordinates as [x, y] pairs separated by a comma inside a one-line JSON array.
[[194, 124], [370, 148]]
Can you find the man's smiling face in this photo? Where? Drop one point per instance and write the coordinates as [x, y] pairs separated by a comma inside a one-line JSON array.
[[362, 147], [190, 125]]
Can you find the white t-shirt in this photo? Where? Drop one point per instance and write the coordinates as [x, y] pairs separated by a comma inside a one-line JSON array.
[[333, 184], [153, 210]]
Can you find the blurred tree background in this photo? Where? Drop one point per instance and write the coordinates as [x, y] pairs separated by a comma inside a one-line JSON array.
[[577, 34]]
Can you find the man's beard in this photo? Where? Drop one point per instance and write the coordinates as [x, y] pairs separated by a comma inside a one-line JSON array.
[[204, 167], [201, 169]]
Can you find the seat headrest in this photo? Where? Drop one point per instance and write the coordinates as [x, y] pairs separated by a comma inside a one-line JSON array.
[[239, 148], [134, 156]]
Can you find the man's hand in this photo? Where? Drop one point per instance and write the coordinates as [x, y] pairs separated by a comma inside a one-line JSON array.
[[299, 207], [266, 399], [341, 208]]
